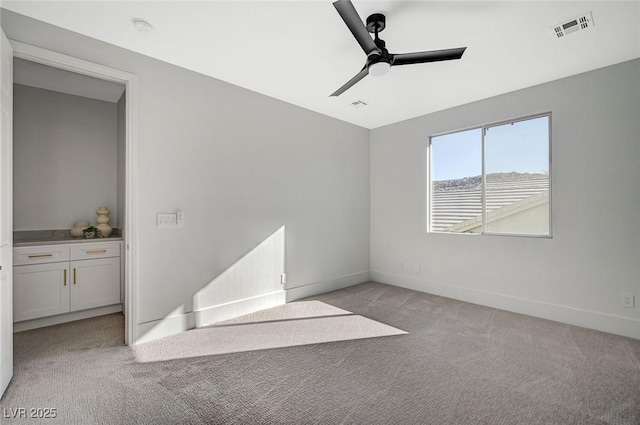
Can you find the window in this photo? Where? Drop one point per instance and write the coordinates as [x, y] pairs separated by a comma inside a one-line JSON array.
[[492, 180]]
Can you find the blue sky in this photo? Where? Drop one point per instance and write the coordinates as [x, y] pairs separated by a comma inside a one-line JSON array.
[[521, 147]]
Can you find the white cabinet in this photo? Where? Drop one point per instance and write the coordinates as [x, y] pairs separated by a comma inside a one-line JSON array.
[[95, 283], [63, 278], [40, 290]]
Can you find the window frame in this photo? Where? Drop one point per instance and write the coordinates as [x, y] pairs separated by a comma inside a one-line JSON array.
[[483, 128]]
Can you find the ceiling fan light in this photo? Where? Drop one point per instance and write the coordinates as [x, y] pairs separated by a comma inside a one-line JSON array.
[[379, 69]]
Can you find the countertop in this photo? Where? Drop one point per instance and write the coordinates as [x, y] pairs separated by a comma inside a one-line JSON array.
[[54, 237]]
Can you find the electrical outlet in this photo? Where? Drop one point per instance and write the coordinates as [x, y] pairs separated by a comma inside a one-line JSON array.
[[628, 299], [283, 278], [401, 266]]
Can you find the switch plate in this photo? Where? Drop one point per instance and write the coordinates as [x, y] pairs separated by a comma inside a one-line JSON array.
[[167, 220]]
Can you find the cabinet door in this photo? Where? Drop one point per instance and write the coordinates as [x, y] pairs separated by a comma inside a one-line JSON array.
[[40, 290], [95, 283]]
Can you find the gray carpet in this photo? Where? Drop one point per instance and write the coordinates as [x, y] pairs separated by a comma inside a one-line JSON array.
[[458, 364], [289, 325]]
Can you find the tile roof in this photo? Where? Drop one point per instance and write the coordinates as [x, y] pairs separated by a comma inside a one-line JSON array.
[[457, 204]]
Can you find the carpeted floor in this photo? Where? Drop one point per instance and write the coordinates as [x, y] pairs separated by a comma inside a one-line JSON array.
[[459, 364], [299, 323]]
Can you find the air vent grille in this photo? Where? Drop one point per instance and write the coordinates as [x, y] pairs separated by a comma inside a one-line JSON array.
[[572, 25], [358, 104], [583, 22]]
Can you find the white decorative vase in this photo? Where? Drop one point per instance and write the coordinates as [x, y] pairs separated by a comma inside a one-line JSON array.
[[76, 232], [78, 227], [103, 221], [105, 230]]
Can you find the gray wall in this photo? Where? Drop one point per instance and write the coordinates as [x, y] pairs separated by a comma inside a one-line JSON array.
[[64, 158], [579, 274], [240, 166]]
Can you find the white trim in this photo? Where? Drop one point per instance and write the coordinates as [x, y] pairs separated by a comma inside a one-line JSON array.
[[168, 326], [428, 190], [491, 124], [329, 285], [131, 212], [177, 323], [64, 318], [6, 211], [483, 199], [181, 322], [574, 316], [217, 313], [68, 63], [79, 66]]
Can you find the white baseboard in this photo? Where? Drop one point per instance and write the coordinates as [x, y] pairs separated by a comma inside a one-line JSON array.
[[170, 325], [64, 318], [574, 316], [217, 313], [323, 286], [177, 323]]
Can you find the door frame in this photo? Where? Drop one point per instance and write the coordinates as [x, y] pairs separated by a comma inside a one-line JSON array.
[[6, 211], [79, 66]]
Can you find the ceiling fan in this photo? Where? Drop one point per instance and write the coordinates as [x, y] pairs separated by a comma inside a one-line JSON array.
[[379, 60]]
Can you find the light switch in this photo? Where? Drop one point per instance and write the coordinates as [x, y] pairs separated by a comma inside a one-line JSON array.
[[167, 220]]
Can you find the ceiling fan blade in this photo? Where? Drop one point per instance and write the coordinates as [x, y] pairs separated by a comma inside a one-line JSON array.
[[352, 19], [352, 82], [422, 57]]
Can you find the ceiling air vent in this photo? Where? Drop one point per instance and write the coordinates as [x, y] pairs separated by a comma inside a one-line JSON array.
[[576, 24], [358, 104]]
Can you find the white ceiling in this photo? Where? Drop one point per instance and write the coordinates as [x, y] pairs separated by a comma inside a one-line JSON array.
[[48, 78], [301, 51]]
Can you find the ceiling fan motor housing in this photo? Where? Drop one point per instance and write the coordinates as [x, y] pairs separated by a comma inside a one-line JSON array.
[[377, 21]]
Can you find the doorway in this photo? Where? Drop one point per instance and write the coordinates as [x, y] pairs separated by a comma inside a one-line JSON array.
[[68, 166], [38, 56]]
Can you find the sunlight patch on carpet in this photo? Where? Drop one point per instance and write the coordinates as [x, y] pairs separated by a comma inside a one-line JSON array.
[[289, 325]]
